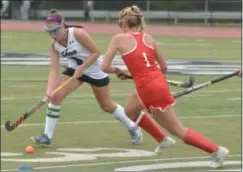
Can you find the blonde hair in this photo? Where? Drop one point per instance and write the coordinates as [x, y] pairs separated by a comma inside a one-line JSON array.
[[132, 17]]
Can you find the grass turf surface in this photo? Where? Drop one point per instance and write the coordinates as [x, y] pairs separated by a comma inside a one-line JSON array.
[[172, 47], [214, 111]]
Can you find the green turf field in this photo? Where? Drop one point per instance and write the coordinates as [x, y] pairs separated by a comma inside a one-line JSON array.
[[172, 47], [214, 111]]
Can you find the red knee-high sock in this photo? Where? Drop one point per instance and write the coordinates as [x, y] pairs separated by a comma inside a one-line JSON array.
[[195, 139], [151, 127]]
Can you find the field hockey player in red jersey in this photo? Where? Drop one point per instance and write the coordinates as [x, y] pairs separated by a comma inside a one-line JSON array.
[[140, 52]]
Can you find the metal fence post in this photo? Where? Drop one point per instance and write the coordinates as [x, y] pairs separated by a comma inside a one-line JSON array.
[[148, 9], [206, 10]]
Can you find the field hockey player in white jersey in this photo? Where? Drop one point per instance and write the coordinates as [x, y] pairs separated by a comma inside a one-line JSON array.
[[84, 65]]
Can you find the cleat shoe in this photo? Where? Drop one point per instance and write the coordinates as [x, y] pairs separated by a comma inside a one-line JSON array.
[[219, 157], [136, 135], [42, 140], [167, 142]]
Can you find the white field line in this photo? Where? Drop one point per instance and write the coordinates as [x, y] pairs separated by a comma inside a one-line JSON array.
[[38, 97], [83, 96], [120, 162], [115, 121], [221, 91], [234, 99], [24, 79], [200, 40], [178, 44], [8, 37], [90, 96], [222, 170], [117, 94], [31, 79], [236, 42]]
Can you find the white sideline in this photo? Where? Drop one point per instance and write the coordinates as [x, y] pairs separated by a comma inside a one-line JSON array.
[[115, 121], [91, 96], [120, 162], [84, 96], [38, 97], [117, 94], [180, 44], [234, 99]]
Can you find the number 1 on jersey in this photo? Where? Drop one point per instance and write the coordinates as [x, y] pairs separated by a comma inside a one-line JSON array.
[[146, 59]]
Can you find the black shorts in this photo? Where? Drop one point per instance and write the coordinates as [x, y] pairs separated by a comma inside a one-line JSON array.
[[84, 78]]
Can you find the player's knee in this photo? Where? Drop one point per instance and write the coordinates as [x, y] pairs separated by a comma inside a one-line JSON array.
[[57, 99], [127, 112], [130, 113], [107, 108]]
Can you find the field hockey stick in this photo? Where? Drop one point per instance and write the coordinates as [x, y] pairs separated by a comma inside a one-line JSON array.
[[11, 127], [195, 88], [183, 84], [171, 82], [200, 86]]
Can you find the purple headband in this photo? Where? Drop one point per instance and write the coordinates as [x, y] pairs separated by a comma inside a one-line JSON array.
[[54, 18]]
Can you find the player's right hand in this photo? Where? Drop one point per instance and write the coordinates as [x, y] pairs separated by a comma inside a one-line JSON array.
[[122, 77], [47, 97], [121, 74]]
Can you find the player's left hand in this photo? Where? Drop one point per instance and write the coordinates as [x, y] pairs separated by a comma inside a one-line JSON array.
[[78, 73]]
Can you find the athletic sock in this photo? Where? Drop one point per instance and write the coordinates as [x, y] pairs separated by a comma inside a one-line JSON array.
[[197, 140], [120, 115], [151, 127], [52, 116]]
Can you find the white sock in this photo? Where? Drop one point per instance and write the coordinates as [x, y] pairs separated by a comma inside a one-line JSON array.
[[52, 116], [120, 115]]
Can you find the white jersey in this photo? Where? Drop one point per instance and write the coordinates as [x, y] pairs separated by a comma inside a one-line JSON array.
[[75, 50]]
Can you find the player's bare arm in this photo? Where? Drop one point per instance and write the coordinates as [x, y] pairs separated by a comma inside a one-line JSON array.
[[159, 57], [113, 47], [54, 70], [84, 39], [109, 55]]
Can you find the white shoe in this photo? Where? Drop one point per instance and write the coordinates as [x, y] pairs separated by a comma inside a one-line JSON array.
[[219, 157], [167, 142], [136, 135]]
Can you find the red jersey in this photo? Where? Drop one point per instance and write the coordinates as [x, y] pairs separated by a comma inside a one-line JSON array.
[[152, 87], [141, 61]]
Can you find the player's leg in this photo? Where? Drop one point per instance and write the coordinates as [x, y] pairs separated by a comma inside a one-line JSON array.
[[53, 109], [102, 93], [133, 109], [169, 120]]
